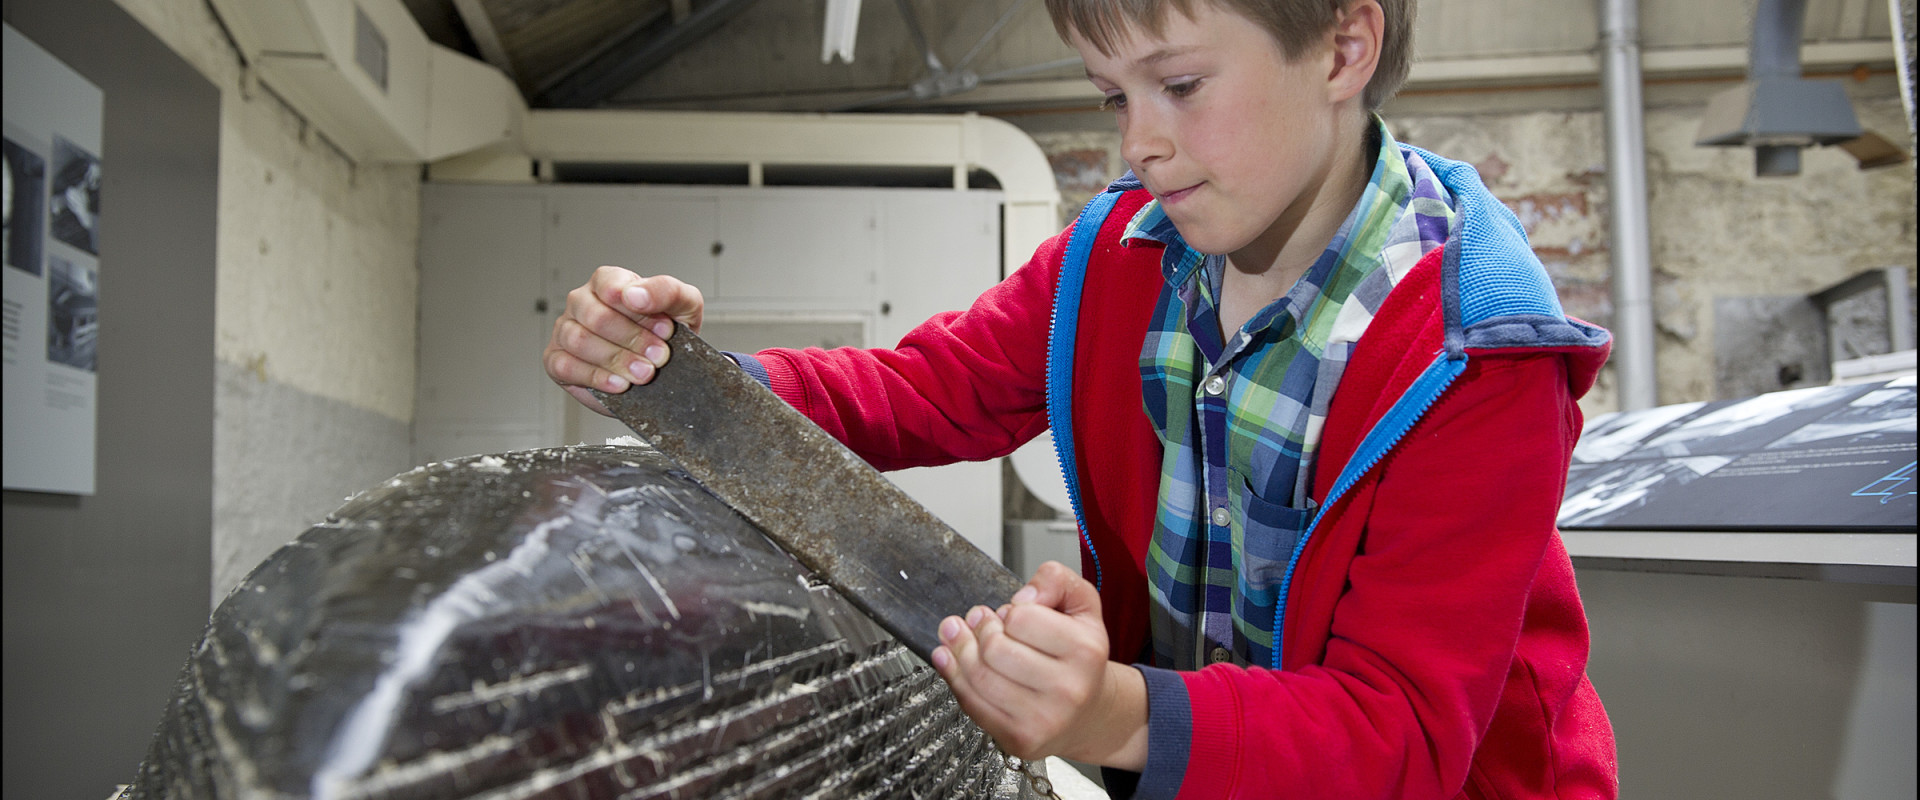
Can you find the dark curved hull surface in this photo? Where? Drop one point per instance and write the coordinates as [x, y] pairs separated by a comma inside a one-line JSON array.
[[576, 622]]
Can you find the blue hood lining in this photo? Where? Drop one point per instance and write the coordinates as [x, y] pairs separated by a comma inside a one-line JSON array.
[[1532, 330]]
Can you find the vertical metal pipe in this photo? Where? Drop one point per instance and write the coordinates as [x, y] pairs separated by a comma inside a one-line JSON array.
[[1633, 348], [1774, 55], [1902, 16], [1774, 51], [1899, 310]]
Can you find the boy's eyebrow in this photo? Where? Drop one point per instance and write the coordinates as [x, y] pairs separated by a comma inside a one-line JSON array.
[[1158, 56], [1165, 53]]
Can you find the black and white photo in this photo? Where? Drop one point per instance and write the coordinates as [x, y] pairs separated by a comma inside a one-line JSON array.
[[26, 182], [1604, 495], [1881, 416], [75, 199], [73, 314]]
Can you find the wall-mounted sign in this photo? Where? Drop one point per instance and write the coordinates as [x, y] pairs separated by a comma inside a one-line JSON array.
[[53, 132]]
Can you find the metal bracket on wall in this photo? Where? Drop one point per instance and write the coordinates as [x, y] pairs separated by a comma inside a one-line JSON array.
[[1899, 309]]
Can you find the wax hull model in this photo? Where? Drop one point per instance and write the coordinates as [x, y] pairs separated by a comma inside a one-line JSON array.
[[575, 622]]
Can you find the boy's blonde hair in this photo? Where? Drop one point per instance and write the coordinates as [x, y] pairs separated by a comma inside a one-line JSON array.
[[1295, 24]]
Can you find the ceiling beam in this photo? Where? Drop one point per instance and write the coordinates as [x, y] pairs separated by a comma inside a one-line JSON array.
[[637, 27], [473, 13], [592, 83]]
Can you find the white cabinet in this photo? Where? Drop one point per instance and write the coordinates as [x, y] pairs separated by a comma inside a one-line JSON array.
[[790, 267], [649, 232], [483, 324], [799, 249]]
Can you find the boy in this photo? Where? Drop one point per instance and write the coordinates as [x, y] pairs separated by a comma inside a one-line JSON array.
[[1325, 557]]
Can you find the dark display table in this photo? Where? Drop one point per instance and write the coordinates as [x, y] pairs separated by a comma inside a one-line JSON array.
[[1806, 483]]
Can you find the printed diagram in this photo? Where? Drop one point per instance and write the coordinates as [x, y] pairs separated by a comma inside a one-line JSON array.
[[1888, 487]]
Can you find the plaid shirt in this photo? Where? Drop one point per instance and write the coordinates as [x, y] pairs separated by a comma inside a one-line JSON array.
[[1240, 419]]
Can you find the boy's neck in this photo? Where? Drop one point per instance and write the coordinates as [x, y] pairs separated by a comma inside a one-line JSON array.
[[1268, 267]]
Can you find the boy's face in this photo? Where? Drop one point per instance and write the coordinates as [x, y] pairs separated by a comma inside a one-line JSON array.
[[1234, 139]]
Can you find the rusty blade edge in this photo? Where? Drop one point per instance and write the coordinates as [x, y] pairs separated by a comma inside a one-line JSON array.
[[818, 500]]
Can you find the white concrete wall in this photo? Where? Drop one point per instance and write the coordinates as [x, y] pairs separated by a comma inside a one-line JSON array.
[[315, 308], [1717, 230]]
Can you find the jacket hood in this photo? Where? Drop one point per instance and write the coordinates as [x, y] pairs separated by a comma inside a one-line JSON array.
[[1494, 290]]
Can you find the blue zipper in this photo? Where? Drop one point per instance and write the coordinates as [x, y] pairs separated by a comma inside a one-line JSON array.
[[1060, 350], [1385, 435]]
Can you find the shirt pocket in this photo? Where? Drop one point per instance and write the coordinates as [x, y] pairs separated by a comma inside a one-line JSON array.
[[1267, 535]]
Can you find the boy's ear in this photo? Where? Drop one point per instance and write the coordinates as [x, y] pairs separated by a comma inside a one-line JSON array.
[[1357, 32]]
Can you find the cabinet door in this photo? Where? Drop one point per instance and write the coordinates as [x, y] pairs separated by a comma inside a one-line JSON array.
[[816, 249], [482, 325], [652, 233], [939, 251]]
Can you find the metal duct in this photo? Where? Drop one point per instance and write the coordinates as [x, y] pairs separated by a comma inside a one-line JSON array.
[[1627, 197], [1776, 112]]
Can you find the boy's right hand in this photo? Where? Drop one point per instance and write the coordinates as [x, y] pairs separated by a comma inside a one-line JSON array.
[[613, 332]]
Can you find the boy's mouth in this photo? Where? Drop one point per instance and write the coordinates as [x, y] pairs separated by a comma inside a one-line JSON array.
[[1177, 195]]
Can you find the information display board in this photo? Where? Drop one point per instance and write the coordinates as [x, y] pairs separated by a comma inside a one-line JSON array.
[[1827, 458], [53, 124]]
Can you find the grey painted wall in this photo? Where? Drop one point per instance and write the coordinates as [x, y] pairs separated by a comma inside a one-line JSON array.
[[1754, 687], [104, 594], [283, 459]]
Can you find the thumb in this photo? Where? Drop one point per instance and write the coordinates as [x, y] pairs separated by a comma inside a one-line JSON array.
[[664, 295], [1055, 586]]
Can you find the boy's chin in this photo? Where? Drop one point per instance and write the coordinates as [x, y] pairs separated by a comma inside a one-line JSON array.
[[1210, 240]]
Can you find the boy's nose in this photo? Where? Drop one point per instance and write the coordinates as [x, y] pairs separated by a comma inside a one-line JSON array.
[[1144, 138]]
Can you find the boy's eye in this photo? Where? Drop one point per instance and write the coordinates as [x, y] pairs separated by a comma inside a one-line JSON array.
[[1113, 102], [1183, 88]]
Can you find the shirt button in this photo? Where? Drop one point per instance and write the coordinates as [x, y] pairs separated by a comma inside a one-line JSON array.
[[1221, 517], [1219, 655], [1215, 385]]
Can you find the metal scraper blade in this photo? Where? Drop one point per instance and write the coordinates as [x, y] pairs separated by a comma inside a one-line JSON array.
[[815, 498]]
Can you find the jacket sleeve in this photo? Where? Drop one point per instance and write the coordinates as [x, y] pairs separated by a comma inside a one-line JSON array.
[[1457, 522], [963, 386]]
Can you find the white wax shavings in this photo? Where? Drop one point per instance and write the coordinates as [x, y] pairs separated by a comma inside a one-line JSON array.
[[626, 441], [360, 740], [774, 609], [492, 464], [521, 686]]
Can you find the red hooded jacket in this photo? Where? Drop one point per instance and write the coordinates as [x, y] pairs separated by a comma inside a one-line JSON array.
[[1435, 643]]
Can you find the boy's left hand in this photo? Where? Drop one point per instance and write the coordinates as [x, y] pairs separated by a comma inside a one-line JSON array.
[[1035, 675]]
